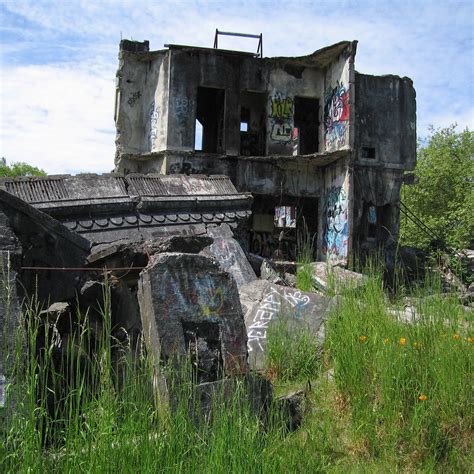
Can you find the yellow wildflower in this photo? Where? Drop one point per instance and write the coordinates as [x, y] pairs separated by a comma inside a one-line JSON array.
[[470, 339], [362, 338], [422, 397], [402, 341], [456, 337]]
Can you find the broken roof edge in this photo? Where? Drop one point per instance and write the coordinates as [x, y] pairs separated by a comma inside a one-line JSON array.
[[320, 58], [387, 76]]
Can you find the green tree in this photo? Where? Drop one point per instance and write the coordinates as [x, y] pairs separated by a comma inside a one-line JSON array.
[[443, 198], [19, 169]]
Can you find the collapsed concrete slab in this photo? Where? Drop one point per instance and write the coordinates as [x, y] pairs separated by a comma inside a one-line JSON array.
[[229, 254], [45, 243], [265, 303], [189, 306]]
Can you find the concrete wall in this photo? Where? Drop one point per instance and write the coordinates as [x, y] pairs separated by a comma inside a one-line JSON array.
[[141, 110], [385, 121], [285, 83]]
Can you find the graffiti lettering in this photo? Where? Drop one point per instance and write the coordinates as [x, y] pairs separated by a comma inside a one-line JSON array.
[[282, 107], [336, 116], [153, 116], [281, 133], [133, 98], [183, 106], [265, 245], [335, 223], [269, 308]]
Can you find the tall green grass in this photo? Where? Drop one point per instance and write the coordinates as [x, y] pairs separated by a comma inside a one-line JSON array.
[[399, 399], [408, 387], [304, 257], [291, 352]]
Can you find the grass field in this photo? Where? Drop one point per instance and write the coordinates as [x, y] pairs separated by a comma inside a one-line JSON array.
[[383, 396]]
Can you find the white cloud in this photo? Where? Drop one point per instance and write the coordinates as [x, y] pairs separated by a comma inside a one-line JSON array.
[[57, 105], [59, 118]]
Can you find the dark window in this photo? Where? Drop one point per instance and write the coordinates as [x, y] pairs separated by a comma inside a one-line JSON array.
[[368, 153], [210, 114], [244, 119], [307, 122]]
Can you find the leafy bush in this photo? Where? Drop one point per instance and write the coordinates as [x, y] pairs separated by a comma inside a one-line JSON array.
[[19, 169], [444, 196]]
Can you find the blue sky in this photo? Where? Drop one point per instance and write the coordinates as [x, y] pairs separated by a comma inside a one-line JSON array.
[[58, 60]]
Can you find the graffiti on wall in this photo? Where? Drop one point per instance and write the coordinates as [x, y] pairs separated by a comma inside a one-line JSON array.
[[183, 107], [281, 118], [268, 309], [153, 114], [184, 167], [203, 295], [266, 244], [336, 116], [133, 98], [335, 231]]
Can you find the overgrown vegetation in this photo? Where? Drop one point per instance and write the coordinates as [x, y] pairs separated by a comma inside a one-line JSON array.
[[305, 255], [398, 399], [18, 169], [443, 198], [292, 352]]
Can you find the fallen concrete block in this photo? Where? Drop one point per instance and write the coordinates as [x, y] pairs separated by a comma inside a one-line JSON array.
[[229, 254], [333, 278], [266, 303], [191, 308]]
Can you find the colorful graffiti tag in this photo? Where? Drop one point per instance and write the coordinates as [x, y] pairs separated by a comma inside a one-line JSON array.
[[282, 118], [335, 230], [336, 116], [282, 107]]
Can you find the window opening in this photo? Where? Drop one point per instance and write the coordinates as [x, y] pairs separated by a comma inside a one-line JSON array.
[[368, 153], [198, 136], [210, 115], [252, 123], [307, 122], [244, 119]]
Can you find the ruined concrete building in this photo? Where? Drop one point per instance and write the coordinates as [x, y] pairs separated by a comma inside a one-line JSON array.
[[222, 157], [313, 140]]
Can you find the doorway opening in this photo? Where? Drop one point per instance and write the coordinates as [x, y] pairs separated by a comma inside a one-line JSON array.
[[210, 120], [252, 123], [307, 122]]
